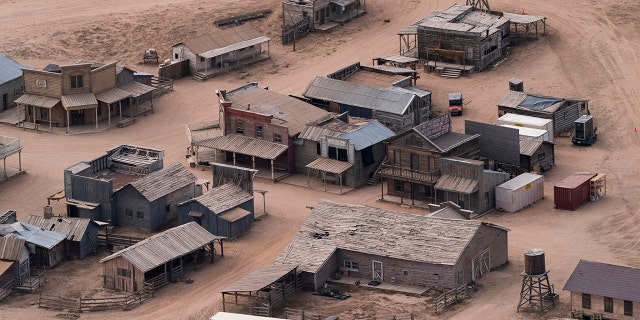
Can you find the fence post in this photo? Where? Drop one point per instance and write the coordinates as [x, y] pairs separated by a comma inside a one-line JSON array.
[[59, 301], [39, 298]]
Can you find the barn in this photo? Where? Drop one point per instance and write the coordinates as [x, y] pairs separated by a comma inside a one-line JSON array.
[[82, 234], [141, 264], [370, 243], [227, 210]]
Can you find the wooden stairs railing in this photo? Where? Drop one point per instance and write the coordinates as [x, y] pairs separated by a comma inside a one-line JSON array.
[[375, 178]]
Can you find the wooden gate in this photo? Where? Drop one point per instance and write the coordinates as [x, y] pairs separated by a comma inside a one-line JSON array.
[[296, 31], [480, 264]]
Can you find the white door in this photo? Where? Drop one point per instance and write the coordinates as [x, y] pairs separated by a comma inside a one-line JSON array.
[[378, 273]]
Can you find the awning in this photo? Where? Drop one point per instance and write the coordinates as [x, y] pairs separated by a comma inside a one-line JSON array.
[[112, 95], [246, 145], [79, 101], [329, 165], [5, 265], [136, 88], [342, 3], [260, 278], [236, 46], [234, 214], [195, 214], [38, 101], [82, 204], [456, 184]]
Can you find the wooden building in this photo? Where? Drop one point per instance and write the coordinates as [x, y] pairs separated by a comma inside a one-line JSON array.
[[380, 76], [82, 234], [46, 248], [388, 246], [466, 183], [152, 200], [9, 146], [222, 51], [89, 186], [77, 94], [604, 291], [324, 14], [414, 158], [140, 265], [265, 286], [562, 111], [15, 266], [259, 129], [462, 38], [227, 210], [397, 110], [343, 152], [536, 155], [11, 85], [449, 210]]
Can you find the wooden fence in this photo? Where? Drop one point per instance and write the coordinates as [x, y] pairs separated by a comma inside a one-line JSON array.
[[164, 85], [296, 31], [36, 280], [242, 17], [6, 289], [302, 315], [125, 302], [110, 240], [174, 70], [450, 297]]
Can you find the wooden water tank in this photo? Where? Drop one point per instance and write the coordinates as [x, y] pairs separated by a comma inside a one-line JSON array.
[[534, 262]]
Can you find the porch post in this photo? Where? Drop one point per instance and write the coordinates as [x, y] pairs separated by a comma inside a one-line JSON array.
[[109, 111], [253, 160], [324, 180], [120, 108], [272, 172], [49, 119], [382, 188], [413, 200], [68, 121], [20, 160], [97, 116], [340, 181], [234, 158], [308, 178]]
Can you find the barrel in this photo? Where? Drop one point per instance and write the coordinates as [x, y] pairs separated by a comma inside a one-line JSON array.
[[534, 262]]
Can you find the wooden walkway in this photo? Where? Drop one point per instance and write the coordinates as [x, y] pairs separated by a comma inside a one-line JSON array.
[[386, 285]]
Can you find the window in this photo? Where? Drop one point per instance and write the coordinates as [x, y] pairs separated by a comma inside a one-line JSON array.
[[76, 82], [99, 110], [415, 161], [396, 157], [318, 150], [201, 59], [240, 127], [397, 185], [628, 308], [167, 208], [140, 215], [44, 113], [405, 273], [124, 272], [258, 131], [128, 213], [175, 56], [277, 137], [351, 265], [608, 304]]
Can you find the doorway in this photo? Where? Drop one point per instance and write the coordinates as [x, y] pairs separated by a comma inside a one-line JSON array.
[[378, 271], [5, 101], [77, 117]]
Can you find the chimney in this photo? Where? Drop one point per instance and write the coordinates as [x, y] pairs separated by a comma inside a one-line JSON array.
[[48, 211]]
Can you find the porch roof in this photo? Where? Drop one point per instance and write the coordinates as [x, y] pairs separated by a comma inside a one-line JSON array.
[[342, 3], [233, 47], [79, 101], [234, 214], [38, 101], [330, 165], [246, 145], [260, 278], [457, 184], [112, 95], [136, 88]]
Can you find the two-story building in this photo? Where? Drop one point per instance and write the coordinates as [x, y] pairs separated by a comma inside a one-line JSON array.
[[323, 14], [259, 128], [414, 158]]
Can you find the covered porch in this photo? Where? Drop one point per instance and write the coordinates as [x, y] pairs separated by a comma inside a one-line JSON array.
[[76, 105], [10, 146], [221, 60], [324, 166], [459, 190], [344, 10], [37, 109]]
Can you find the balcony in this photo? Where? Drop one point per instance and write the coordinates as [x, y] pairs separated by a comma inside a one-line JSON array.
[[399, 173]]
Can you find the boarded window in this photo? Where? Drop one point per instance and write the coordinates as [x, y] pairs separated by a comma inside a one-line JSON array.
[[586, 301], [608, 304], [396, 157], [628, 308], [240, 127], [128, 213], [124, 272]]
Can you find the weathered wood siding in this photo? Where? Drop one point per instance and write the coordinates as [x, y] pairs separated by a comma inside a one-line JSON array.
[[129, 198], [306, 152], [83, 70], [114, 281], [563, 117], [214, 223], [103, 78], [293, 12], [489, 180], [496, 142], [327, 270], [124, 77], [597, 306], [543, 158], [13, 89], [48, 258], [53, 87], [89, 240], [91, 190], [182, 52], [495, 239]]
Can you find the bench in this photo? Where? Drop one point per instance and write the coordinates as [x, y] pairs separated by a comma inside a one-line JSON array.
[[126, 122]]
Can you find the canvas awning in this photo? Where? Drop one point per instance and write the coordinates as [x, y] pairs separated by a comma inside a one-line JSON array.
[[236, 46], [246, 145], [136, 88], [79, 101], [38, 101], [234, 214], [260, 278], [112, 95], [329, 165], [456, 184]]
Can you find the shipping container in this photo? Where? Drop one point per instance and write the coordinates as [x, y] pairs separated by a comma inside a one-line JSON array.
[[519, 192], [528, 122], [531, 133], [573, 191]]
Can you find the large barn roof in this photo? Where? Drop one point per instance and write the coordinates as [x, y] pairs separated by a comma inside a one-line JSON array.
[[224, 197], [375, 231], [607, 280], [165, 246], [359, 95], [164, 181]]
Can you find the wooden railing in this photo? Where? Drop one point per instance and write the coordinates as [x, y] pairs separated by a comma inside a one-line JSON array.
[[164, 85], [116, 240], [450, 297], [6, 289], [303, 315], [390, 171], [36, 280], [124, 302]]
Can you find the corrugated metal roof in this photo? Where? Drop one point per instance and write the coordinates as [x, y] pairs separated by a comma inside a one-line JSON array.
[[329, 165], [79, 101], [375, 79], [451, 140], [342, 3], [136, 88], [293, 113], [165, 246], [520, 181], [164, 181], [73, 228], [520, 118], [234, 214], [11, 248], [529, 146], [377, 232], [528, 132], [9, 146], [456, 184], [223, 198], [459, 18], [32, 234], [575, 180], [358, 95], [260, 278], [222, 38], [528, 101], [412, 90], [606, 280], [333, 128], [367, 135], [38, 101], [9, 69], [246, 145], [112, 95]]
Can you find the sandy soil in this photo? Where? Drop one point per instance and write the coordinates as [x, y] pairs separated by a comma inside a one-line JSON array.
[[588, 51]]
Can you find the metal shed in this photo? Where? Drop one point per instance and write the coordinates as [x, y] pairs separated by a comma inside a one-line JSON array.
[[519, 192], [573, 191]]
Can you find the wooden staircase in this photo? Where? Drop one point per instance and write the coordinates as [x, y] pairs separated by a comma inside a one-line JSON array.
[[375, 178], [200, 76], [451, 73]]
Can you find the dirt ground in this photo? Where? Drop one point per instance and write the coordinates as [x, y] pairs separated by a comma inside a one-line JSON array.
[[588, 51]]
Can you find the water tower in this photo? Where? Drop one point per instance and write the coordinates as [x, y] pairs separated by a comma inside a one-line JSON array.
[[536, 293]]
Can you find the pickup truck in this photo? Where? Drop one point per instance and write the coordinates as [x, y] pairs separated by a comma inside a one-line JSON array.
[[455, 103]]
